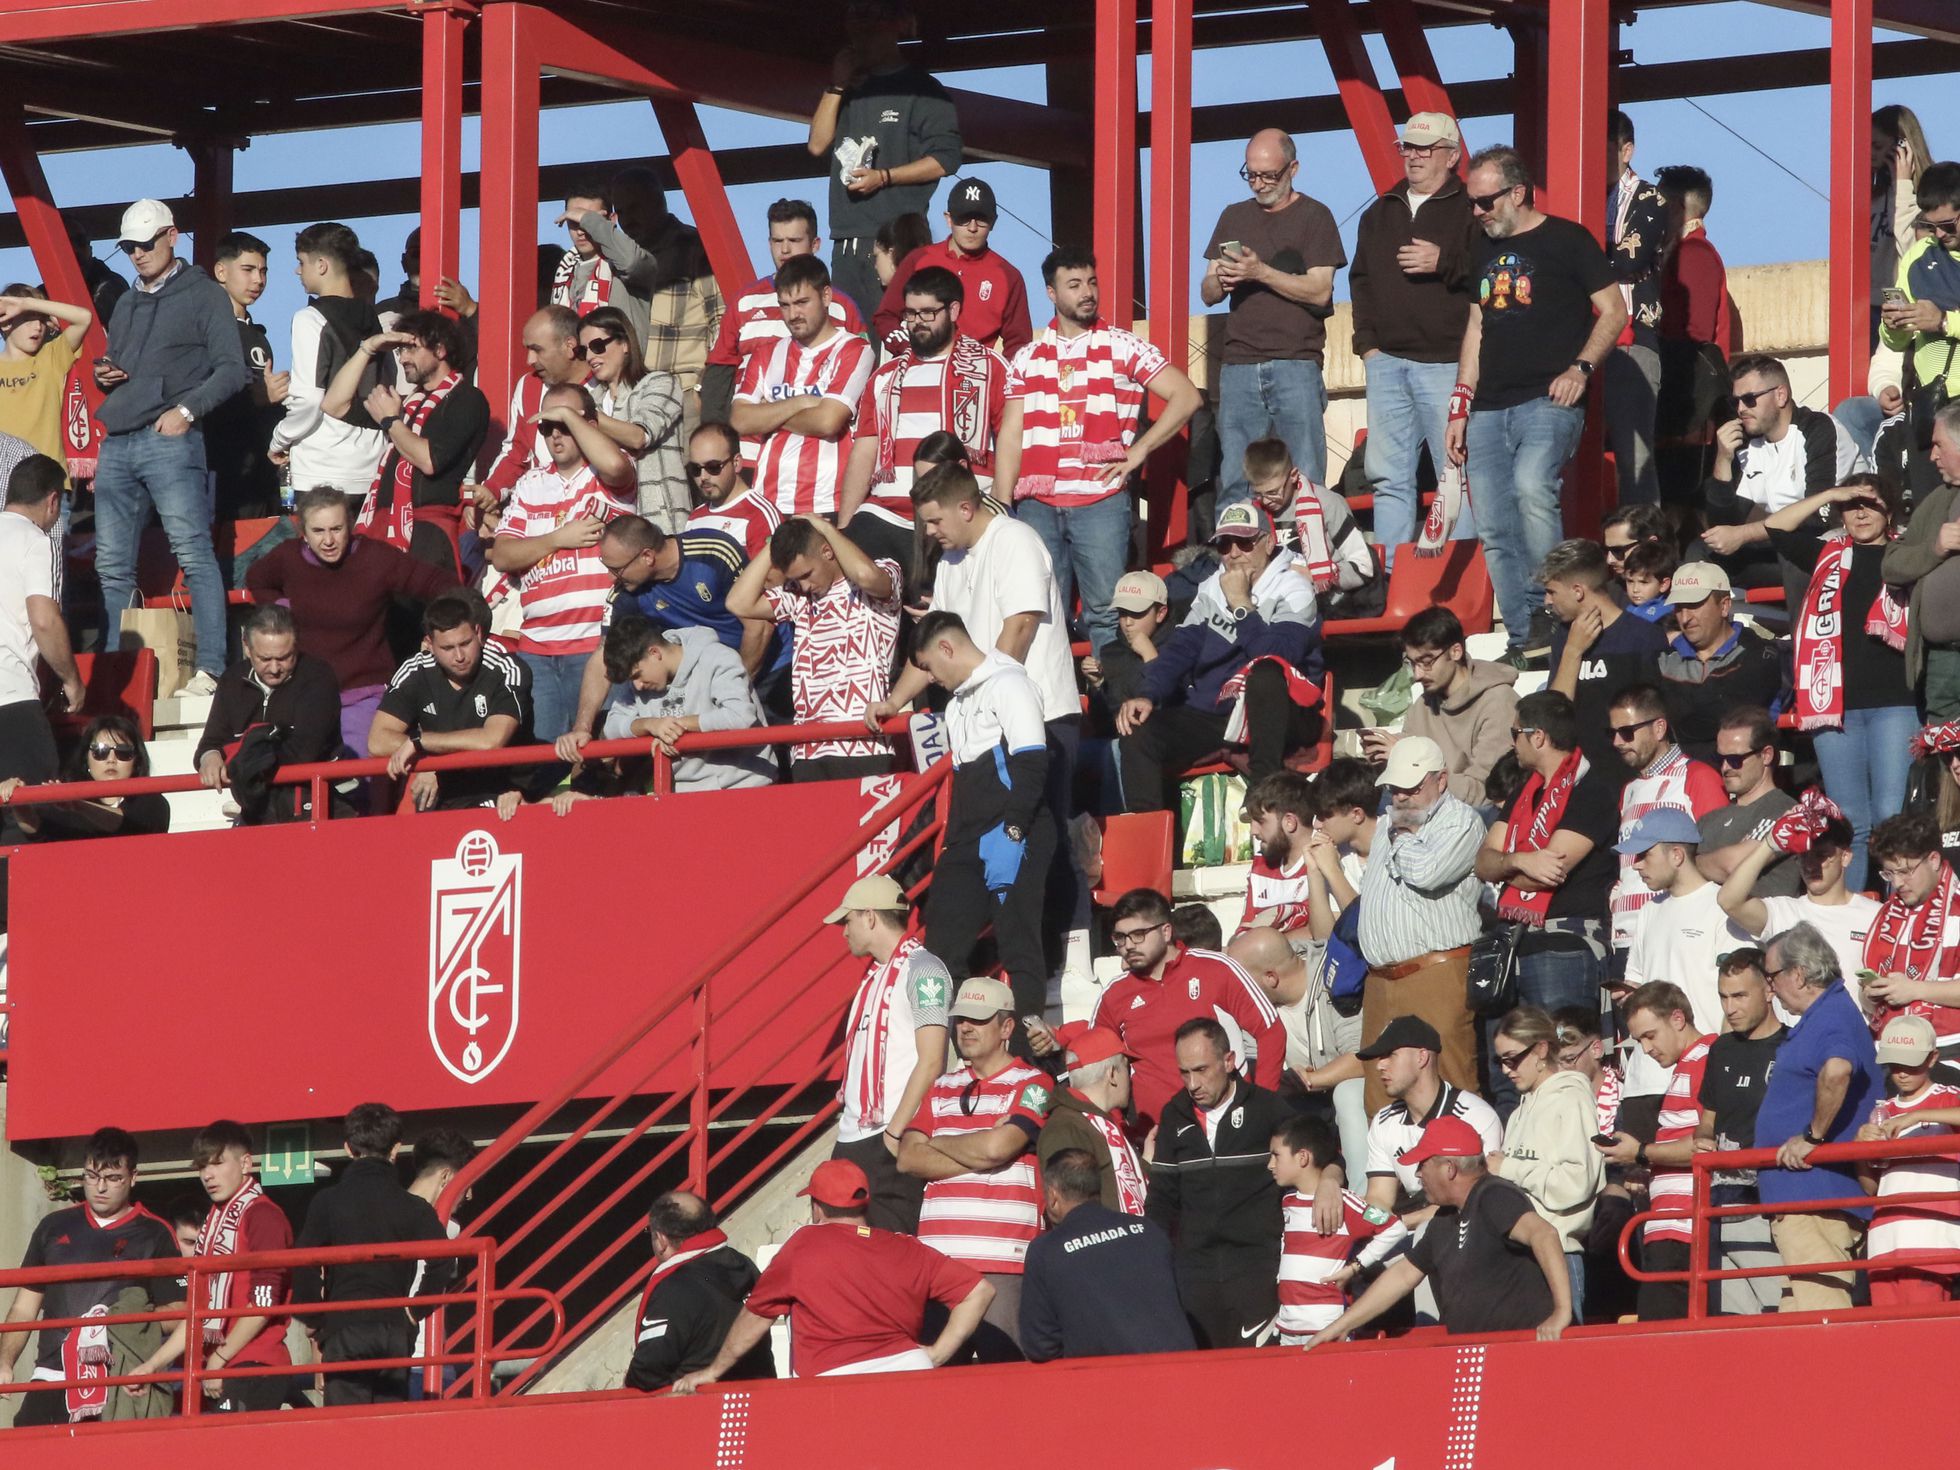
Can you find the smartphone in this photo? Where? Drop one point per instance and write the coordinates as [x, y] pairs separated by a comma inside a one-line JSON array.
[[106, 361], [1229, 247], [1892, 296], [1865, 977], [1605, 1140]]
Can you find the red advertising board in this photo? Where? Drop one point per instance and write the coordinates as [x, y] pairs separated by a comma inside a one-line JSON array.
[[438, 961]]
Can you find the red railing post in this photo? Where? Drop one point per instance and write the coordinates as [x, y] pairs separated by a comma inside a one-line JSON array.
[[193, 1361], [663, 772], [697, 1111], [485, 1269], [1701, 1243]]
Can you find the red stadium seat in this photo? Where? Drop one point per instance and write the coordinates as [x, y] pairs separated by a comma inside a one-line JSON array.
[[1136, 853], [1458, 580], [155, 562], [1771, 596], [123, 683]]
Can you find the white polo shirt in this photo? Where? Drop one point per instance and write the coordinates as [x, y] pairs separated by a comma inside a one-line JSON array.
[[1005, 572]]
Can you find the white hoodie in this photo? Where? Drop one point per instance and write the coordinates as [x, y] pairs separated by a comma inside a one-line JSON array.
[[1549, 1153]]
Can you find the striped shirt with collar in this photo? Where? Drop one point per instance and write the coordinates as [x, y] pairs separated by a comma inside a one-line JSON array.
[[1419, 891]]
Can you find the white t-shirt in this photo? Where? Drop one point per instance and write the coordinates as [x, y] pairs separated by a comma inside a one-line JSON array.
[[1007, 571], [26, 570], [1773, 474], [1680, 940], [1844, 924]]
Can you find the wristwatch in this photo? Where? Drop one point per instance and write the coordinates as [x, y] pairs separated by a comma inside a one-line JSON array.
[[189, 417], [1240, 614], [1014, 833], [1811, 1138], [1583, 366]]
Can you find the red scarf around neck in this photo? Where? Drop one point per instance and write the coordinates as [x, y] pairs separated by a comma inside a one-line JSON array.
[[598, 285], [1101, 439], [1546, 802], [1921, 943], [1310, 527], [1818, 643]]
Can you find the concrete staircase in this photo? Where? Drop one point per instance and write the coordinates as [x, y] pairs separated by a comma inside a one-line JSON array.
[[179, 725]]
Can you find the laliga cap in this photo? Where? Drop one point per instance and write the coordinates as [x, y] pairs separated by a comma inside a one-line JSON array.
[[1139, 592], [1908, 1041], [878, 892], [982, 999], [1426, 128], [1697, 582]]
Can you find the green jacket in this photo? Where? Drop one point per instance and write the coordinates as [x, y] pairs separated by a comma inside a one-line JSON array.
[[1910, 558], [1933, 354]]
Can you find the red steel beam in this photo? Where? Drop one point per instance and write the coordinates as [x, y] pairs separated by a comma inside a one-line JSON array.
[[1361, 94], [1578, 62], [1170, 246], [1849, 337], [442, 146], [1415, 65], [509, 197], [47, 236], [1114, 180], [212, 170], [707, 195], [56, 22], [1528, 87]]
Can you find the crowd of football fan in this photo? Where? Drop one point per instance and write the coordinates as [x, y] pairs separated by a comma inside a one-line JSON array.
[[1516, 962]]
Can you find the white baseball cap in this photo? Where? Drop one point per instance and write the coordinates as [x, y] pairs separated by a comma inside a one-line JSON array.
[[144, 220], [1697, 581], [1427, 128], [1414, 757]]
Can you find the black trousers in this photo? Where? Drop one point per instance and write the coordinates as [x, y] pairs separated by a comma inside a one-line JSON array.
[[1176, 735], [350, 1342], [49, 1406], [895, 1197], [249, 1395], [1663, 1301], [960, 906], [1229, 1306]]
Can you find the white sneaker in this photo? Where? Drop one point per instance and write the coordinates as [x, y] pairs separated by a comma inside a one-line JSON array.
[[200, 686]]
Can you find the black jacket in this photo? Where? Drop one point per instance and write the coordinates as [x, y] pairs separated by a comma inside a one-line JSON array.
[[367, 1206], [1101, 1284], [684, 1318], [1820, 460], [1418, 318], [306, 708], [1221, 1208]]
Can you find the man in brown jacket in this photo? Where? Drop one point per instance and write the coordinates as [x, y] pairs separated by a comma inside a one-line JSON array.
[[1088, 1114], [1465, 707]]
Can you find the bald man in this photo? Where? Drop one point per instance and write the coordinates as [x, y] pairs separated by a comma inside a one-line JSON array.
[[698, 1285], [1273, 256], [552, 359], [1320, 1041]]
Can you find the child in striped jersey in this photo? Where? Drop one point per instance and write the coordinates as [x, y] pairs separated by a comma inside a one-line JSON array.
[[1315, 1269], [1904, 1236]]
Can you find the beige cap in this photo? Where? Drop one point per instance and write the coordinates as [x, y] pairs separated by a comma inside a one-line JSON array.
[[1413, 757], [982, 999], [879, 892], [144, 220], [1426, 128], [1908, 1041], [1139, 592], [1697, 581]]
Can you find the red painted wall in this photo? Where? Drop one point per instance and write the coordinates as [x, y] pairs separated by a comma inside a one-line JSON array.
[[287, 972]]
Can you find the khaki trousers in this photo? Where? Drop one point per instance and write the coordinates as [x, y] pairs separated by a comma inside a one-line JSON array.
[[1804, 1240], [1435, 993]]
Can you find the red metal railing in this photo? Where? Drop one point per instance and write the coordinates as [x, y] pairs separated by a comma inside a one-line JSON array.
[[1701, 1273], [566, 1218], [480, 1294]]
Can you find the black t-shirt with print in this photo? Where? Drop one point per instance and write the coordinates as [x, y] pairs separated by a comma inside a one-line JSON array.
[[1484, 1280], [1622, 655], [1732, 1087], [1535, 290]]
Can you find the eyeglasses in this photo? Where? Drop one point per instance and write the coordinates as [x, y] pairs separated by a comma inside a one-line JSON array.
[[599, 344], [1511, 1061], [1517, 730], [707, 466], [1429, 660], [114, 1177], [102, 750], [1484, 203], [1262, 176], [1627, 732], [1736, 762], [1748, 400], [130, 247], [1418, 150], [1124, 938], [921, 313], [1895, 875]]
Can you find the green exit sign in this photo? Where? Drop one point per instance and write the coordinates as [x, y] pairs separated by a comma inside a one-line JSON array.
[[288, 1156]]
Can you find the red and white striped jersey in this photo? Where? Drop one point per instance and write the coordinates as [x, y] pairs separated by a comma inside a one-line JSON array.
[[523, 447], [842, 657], [1135, 363], [747, 519], [1279, 893], [972, 415], [986, 1220], [909, 990], [800, 473], [564, 596], [756, 316], [1308, 1298], [1606, 1098], [1690, 786], [1900, 1232], [1674, 1188]]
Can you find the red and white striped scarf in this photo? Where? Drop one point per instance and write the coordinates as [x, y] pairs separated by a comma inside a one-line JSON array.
[[393, 519], [1302, 690], [965, 381], [1921, 943], [1818, 644], [1546, 801], [691, 1249], [863, 1091], [1101, 440], [1131, 1187], [219, 1237], [598, 285], [1310, 527]]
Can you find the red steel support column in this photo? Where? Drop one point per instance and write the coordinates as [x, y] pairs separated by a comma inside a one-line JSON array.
[[442, 146], [1578, 57], [1115, 179], [1170, 244], [1851, 122], [211, 186], [508, 199], [707, 196], [1361, 94], [47, 237], [1415, 64]]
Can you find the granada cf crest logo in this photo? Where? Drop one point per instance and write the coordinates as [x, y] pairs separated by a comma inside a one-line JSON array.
[[476, 902]]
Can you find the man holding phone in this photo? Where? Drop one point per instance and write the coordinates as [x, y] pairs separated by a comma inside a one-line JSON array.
[[173, 357], [1921, 316]]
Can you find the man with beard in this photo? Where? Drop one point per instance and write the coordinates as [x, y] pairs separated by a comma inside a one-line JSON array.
[[1660, 775], [1065, 462], [800, 395], [723, 501], [943, 380], [1546, 311]]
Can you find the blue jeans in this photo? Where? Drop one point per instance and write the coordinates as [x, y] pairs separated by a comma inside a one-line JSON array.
[[555, 680], [1258, 399], [1547, 978], [1865, 766], [139, 470], [1860, 418], [1088, 545], [1408, 405], [1516, 456]]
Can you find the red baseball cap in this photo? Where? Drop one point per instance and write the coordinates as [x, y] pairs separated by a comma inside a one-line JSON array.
[[838, 1183], [1445, 1138], [1094, 1044]]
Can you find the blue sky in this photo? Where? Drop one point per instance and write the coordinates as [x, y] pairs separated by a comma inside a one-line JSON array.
[[1761, 212]]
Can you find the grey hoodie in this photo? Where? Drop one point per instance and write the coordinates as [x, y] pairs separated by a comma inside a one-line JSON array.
[[179, 345], [713, 685]]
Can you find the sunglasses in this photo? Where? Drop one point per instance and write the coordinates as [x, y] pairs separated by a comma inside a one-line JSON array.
[[599, 344], [1944, 226], [1619, 553], [1510, 1061], [1484, 203], [706, 466], [1748, 400], [1735, 762], [1517, 730], [1627, 732], [130, 247], [103, 751]]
